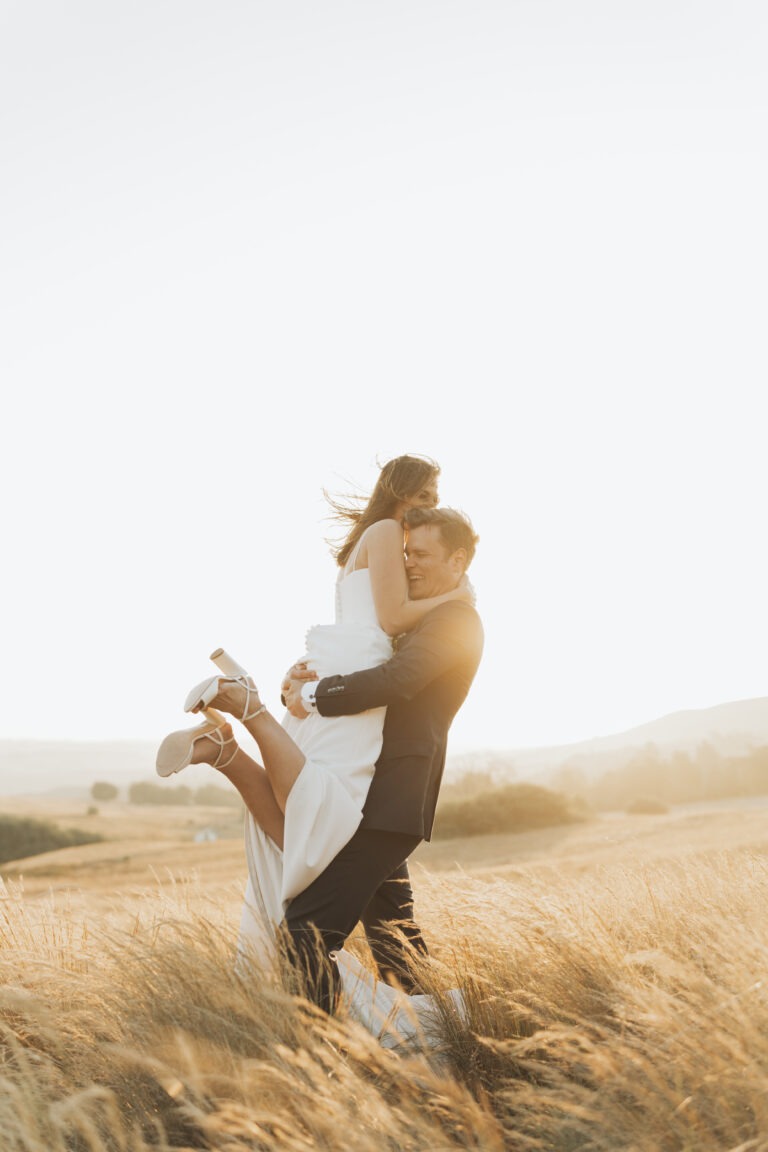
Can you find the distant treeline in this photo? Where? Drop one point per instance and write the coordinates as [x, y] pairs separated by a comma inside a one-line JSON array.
[[210, 795], [21, 837], [474, 805], [671, 778]]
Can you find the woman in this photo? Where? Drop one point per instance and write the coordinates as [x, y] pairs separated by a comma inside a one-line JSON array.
[[306, 801]]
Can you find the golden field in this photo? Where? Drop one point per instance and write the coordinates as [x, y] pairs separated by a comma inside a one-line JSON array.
[[614, 974]]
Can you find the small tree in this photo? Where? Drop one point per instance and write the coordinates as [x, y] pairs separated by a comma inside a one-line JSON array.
[[101, 790]]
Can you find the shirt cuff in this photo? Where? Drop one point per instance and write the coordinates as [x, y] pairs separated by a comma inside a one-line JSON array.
[[308, 696]]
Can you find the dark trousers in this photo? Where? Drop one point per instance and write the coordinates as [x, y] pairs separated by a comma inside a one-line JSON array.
[[368, 881]]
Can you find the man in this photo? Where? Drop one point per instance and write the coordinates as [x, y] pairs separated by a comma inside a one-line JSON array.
[[423, 685]]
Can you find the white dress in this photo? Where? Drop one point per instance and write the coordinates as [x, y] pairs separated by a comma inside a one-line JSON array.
[[325, 805], [323, 811]]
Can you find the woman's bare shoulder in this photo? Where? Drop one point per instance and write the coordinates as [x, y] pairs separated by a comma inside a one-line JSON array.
[[384, 532]]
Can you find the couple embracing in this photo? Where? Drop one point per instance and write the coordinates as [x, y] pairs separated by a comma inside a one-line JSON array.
[[350, 778]]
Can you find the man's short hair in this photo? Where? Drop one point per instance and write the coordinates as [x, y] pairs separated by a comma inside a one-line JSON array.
[[455, 528]]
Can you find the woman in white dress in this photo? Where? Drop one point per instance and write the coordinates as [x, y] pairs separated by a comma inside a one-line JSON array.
[[306, 802]]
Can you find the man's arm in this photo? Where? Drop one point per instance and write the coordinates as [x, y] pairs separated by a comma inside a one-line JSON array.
[[448, 637]]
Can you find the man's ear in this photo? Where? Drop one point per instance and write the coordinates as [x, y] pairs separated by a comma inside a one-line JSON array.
[[459, 560]]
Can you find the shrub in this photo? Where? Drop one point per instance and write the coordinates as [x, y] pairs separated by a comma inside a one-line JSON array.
[[511, 808], [101, 790], [647, 806], [23, 836]]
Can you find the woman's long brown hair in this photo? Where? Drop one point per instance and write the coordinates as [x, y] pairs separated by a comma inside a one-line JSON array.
[[399, 479]]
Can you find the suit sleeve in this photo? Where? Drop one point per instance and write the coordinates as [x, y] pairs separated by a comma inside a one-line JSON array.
[[448, 637]]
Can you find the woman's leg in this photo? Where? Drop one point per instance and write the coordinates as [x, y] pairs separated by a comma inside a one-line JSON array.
[[251, 781], [283, 759]]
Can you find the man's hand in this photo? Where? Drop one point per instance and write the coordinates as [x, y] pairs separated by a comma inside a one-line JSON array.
[[292, 698], [290, 689], [298, 671]]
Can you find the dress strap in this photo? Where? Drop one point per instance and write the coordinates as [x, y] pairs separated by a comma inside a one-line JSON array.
[[352, 558]]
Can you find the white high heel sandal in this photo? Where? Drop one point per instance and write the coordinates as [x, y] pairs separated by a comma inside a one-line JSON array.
[[176, 750], [202, 694]]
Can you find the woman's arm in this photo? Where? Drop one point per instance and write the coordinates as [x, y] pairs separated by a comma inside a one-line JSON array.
[[382, 551]]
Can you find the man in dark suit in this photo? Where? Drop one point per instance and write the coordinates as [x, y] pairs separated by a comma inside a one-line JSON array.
[[423, 685]]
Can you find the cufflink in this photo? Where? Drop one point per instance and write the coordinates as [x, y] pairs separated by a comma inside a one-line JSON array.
[[308, 697]]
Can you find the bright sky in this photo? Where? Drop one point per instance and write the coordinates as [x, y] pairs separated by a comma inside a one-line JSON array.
[[249, 249]]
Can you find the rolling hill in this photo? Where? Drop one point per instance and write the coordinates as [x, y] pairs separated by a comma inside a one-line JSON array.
[[70, 768]]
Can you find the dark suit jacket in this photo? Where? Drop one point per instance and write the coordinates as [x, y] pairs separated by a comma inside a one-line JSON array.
[[423, 686]]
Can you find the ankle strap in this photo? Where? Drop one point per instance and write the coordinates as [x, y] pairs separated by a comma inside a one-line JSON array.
[[253, 715], [250, 687], [217, 736]]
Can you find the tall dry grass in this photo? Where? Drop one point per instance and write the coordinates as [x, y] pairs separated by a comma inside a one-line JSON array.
[[619, 1009]]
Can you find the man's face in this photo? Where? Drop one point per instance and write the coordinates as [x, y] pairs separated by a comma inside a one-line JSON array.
[[429, 568]]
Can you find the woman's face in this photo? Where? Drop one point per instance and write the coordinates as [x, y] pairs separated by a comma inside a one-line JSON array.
[[425, 497]]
